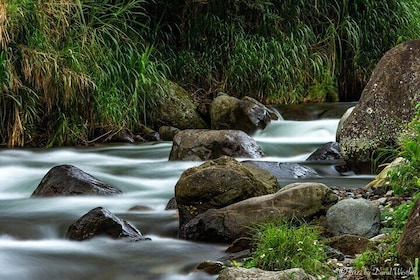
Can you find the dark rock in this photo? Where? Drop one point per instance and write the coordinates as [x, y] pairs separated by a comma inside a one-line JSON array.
[[246, 114], [285, 170], [218, 183], [201, 144], [171, 205], [387, 103], [240, 244], [355, 217], [299, 200], [101, 222], [167, 133], [329, 151], [348, 244], [70, 180], [333, 253], [211, 267], [409, 245]]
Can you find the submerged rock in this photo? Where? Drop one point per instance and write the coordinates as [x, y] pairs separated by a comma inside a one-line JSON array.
[[101, 222], [286, 169], [70, 180], [204, 144]]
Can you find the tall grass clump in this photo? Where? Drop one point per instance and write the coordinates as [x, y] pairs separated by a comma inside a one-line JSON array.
[[67, 67], [293, 51], [282, 245]]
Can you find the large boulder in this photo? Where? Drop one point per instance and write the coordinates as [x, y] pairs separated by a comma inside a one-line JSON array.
[[256, 273], [177, 109], [246, 114], [203, 144], [298, 200], [101, 222], [65, 180], [387, 103], [355, 217], [218, 183], [409, 245]]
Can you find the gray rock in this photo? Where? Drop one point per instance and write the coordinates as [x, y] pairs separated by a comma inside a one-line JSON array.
[[70, 180], [299, 200], [218, 183], [203, 144], [256, 273], [246, 114], [101, 222], [355, 217], [387, 103]]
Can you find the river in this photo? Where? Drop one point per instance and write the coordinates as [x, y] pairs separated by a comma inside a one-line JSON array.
[[32, 230]]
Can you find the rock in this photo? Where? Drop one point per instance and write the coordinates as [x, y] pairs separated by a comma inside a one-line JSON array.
[[256, 273], [218, 183], [201, 144], [348, 244], [298, 200], [409, 244], [340, 123], [178, 110], [171, 205], [354, 216], [167, 133], [70, 180], [211, 267], [246, 114], [99, 222], [285, 170], [329, 151], [240, 244], [387, 103]]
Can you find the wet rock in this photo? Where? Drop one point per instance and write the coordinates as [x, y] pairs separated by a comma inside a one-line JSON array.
[[329, 151], [240, 244], [65, 180], [202, 144], [176, 108], [348, 244], [218, 183], [167, 133], [355, 217], [246, 114], [171, 205], [299, 200], [387, 103], [256, 273], [409, 245], [211, 267], [101, 222], [286, 170]]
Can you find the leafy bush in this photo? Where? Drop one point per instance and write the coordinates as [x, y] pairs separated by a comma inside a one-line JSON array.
[[282, 245]]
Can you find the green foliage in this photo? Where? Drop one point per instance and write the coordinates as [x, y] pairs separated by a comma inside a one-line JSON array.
[[68, 67], [396, 219], [282, 245], [381, 255], [404, 179], [288, 51]]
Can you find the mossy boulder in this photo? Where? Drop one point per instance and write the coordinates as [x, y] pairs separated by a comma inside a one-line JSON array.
[[218, 183], [177, 109], [387, 103]]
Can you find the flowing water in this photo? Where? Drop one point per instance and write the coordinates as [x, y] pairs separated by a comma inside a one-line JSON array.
[[32, 230]]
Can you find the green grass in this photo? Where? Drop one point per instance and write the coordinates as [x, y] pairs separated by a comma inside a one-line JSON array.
[[283, 245]]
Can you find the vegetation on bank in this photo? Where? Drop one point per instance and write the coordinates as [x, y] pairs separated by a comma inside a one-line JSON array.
[[71, 71], [281, 245]]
